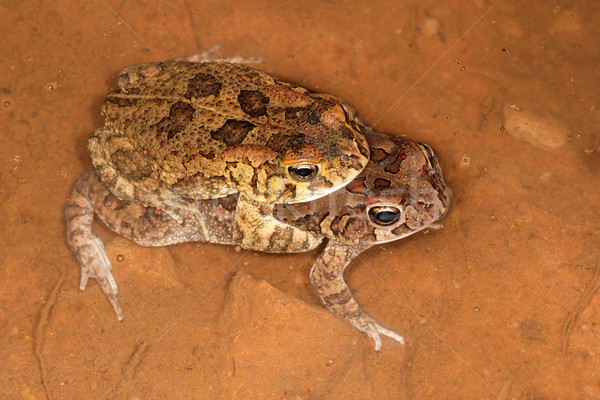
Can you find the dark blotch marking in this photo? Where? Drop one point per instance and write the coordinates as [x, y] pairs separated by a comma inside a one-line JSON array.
[[254, 180], [378, 155], [290, 191], [280, 236], [203, 85], [335, 225], [357, 186], [355, 228], [314, 117], [112, 202], [394, 166], [209, 155], [253, 103], [339, 298], [232, 132], [293, 113], [381, 183], [180, 115], [401, 230], [298, 217], [352, 161]]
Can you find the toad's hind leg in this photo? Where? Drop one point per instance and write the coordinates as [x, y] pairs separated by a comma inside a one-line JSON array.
[[88, 248], [327, 278]]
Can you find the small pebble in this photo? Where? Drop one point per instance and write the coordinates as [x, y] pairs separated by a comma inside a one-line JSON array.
[[536, 127], [430, 27], [465, 161]]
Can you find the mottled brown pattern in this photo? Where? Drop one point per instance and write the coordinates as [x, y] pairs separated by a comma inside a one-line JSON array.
[[357, 185], [381, 183], [232, 132], [378, 155], [202, 85], [180, 116], [394, 166], [288, 95], [182, 120], [253, 103], [403, 184], [293, 113], [137, 170]]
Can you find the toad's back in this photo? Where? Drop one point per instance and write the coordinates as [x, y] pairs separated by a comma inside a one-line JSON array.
[[206, 130]]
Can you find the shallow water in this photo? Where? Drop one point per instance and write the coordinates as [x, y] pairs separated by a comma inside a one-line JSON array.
[[506, 94]]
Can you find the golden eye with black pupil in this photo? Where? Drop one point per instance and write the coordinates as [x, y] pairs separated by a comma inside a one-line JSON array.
[[303, 172], [384, 215]]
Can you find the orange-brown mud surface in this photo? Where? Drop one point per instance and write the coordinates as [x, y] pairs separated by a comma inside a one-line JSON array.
[[499, 304]]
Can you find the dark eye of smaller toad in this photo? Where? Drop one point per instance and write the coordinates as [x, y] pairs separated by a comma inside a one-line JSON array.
[[384, 215]]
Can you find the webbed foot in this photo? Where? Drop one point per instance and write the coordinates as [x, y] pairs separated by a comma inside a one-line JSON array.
[[367, 325], [327, 278], [88, 248], [97, 266]]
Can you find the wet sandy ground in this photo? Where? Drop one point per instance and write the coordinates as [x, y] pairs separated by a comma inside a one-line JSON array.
[[499, 304]]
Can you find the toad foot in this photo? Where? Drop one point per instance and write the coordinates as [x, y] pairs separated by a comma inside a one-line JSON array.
[[327, 278], [88, 248], [99, 268], [372, 329]]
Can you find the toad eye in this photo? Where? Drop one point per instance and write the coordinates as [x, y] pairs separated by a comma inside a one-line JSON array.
[[384, 215], [303, 172]]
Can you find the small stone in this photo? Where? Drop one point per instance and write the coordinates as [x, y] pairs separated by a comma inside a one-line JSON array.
[[537, 127], [430, 27], [465, 161]]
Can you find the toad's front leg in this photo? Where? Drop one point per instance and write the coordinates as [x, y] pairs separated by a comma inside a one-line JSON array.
[[327, 277], [88, 248]]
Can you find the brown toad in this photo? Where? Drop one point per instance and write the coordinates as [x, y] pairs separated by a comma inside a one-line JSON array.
[[182, 130], [400, 192]]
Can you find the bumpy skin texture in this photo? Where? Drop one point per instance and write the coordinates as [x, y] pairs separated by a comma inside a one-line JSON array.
[[401, 192], [183, 130], [403, 178]]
